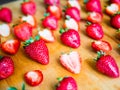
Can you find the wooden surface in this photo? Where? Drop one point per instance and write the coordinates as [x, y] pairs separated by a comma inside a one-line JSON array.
[[88, 79]]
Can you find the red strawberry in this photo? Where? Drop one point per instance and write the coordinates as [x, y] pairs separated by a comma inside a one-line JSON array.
[[70, 38], [55, 11], [115, 1], [106, 64], [29, 19], [95, 31], [6, 15], [37, 50], [71, 62], [6, 67], [101, 45], [52, 2], [23, 31], [34, 77], [28, 7], [73, 12], [50, 22], [93, 6], [67, 83], [112, 9], [10, 46], [47, 35], [94, 17], [115, 21]]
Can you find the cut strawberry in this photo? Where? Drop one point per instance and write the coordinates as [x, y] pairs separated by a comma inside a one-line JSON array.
[[71, 62], [52, 2], [34, 77], [47, 35]]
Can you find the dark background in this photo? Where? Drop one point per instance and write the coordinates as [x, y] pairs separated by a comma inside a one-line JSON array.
[[6, 1]]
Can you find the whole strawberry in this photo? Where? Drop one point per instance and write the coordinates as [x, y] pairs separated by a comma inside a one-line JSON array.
[[95, 31], [70, 38], [37, 50], [115, 21], [28, 7], [5, 14], [67, 83], [6, 67], [106, 64]]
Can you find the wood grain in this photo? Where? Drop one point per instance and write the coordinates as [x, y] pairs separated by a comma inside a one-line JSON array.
[[88, 79]]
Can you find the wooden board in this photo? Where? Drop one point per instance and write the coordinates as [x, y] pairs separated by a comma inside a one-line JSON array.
[[88, 79]]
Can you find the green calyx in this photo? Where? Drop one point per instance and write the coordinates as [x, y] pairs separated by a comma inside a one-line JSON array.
[[46, 14], [67, 17], [14, 88], [88, 23], [1, 57], [85, 1], [99, 54], [119, 45], [25, 0], [63, 30]]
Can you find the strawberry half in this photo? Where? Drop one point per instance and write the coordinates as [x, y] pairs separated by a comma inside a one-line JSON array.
[[5, 14], [95, 31], [28, 7], [4, 30], [101, 45], [71, 62], [6, 67], [29, 19], [23, 31], [70, 38], [67, 83], [47, 35], [37, 50], [10, 46], [106, 64], [34, 77], [52, 2]]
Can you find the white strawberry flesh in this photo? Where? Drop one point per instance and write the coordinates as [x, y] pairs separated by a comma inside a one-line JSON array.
[[113, 7], [74, 3]]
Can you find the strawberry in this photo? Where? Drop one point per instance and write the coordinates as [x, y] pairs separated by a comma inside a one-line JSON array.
[[47, 35], [50, 22], [115, 21], [4, 30], [112, 9], [106, 64], [73, 12], [71, 62], [23, 31], [6, 67], [29, 19], [115, 1], [55, 11], [101, 45], [34, 77], [93, 6], [70, 38], [67, 83], [6, 14], [94, 17], [52, 2], [37, 50], [28, 7], [95, 31], [10, 46]]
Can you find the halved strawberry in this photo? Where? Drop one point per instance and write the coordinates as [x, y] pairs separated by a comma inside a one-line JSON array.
[[112, 9], [29, 19], [4, 30], [101, 45], [71, 61], [94, 17], [10, 46], [47, 35], [34, 77]]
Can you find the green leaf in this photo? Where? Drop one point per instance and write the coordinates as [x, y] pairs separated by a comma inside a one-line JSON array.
[[37, 37], [12, 88], [59, 79], [61, 30], [23, 86]]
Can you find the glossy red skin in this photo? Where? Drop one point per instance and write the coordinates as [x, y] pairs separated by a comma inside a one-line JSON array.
[[28, 7], [6, 15], [95, 31], [68, 83], [107, 65], [94, 6], [10, 48], [50, 22], [52, 2], [30, 81], [6, 67], [115, 1], [115, 21], [74, 13], [71, 38]]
